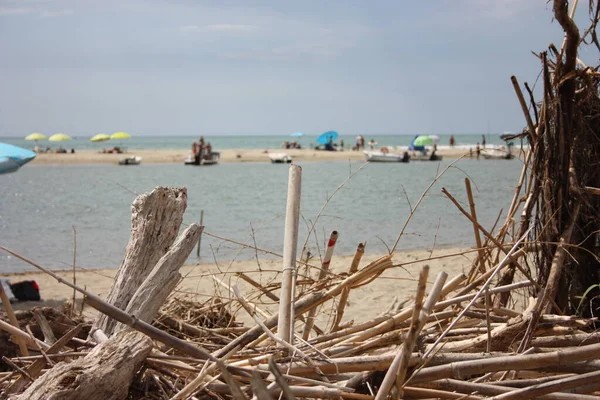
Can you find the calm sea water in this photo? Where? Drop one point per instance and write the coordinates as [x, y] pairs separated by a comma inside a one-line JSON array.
[[241, 142], [41, 206]]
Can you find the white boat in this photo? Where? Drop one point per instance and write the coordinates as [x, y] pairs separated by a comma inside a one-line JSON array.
[[496, 154], [380, 156], [214, 159], [280, 158], [133, 160]]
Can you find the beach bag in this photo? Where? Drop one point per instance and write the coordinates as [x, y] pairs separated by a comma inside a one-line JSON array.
[[6, 286], [26, 290]]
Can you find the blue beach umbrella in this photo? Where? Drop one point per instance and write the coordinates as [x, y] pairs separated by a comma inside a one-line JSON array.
[[324, 138], [13, 157], [297, 134]]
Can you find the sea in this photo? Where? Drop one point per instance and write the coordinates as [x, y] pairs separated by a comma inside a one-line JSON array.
[[53, 214]]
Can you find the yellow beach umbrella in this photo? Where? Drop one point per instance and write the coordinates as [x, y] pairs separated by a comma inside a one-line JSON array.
[[101, 137], [120, 135], [35, 136], [59, 137]]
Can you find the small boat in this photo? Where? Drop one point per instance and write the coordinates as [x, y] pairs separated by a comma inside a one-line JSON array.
[[214, 159], [280, 158], [426, 157], [383, 156], [133, 160], [13, 157], [496, 154]]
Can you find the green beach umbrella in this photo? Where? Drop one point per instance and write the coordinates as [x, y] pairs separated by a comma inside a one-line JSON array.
[[101, 137], [35, 136], [423, 140], [59, 137], [120, 135]]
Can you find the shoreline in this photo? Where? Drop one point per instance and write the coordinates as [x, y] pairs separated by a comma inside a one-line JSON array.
[[227, 156]]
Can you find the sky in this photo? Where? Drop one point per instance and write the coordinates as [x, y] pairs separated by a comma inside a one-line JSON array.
[[189, 67]]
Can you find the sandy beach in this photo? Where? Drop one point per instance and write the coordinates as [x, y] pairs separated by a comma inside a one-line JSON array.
[[198, 283], [227, 155]]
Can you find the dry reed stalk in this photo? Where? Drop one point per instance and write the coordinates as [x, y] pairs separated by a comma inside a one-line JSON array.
[[360, 250], [532, 361], [285, 323], [477, 295], [530, 126], [480, 258], [550, 387], [290, 347], [417, 392], [488, 389], [13, 320], [16, 332], [259, 387], [500, 289], [556, 269], [397, 370], [378, 362], [310, 318], [35, 369]]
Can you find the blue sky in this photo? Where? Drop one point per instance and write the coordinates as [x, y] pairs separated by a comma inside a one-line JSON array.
[[189, 67]]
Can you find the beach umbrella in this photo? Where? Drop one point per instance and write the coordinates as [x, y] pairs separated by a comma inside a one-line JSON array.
[[435, 138], [120, 135], [324, 138], [59, 137], [297, 134], [101, 137], [13, 157], [423, 140], [35, 136]]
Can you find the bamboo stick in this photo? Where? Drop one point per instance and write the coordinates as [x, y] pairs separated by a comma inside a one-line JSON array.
[[292, 215], [312, 300], [549, 387], [475, 228], [13, 320], [360, 250], [530, 361], [398, 368], [488, 389], [310, 318]]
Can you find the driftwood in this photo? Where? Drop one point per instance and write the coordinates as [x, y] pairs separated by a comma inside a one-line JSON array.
[[165, 276], [155, 221], [104, 374]]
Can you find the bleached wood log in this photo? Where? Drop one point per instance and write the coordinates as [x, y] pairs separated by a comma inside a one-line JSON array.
[[104, 374], [155, 221], [165, 276]]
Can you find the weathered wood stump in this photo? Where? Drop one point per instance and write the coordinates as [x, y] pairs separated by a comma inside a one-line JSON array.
[[104, 374], [155, 221]]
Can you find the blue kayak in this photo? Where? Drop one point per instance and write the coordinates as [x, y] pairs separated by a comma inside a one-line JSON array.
[[13, 157]]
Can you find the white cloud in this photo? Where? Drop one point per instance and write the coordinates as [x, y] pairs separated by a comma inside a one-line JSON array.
[[52, 14], [218, 28], [189, 28], [42, 12], [16, 10], [229, 27]]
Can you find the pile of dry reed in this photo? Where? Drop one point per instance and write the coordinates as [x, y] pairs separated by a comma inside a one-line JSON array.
[[456, 338]]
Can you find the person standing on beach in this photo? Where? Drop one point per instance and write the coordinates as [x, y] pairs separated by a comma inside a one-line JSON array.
[[483, 141], [478, 150], [452, 141]]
